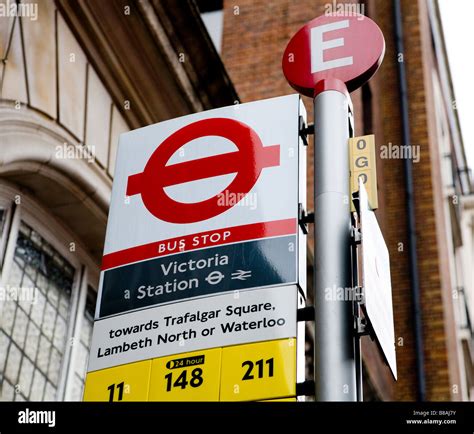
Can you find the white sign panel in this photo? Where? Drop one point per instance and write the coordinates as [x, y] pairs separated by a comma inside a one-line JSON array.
[[202, 204], [227, 319], [376, 280]]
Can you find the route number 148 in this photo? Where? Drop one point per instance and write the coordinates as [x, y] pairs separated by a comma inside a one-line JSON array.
[[182, 381]]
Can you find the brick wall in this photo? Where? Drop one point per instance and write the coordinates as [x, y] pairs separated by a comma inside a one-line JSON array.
[[438, 322]]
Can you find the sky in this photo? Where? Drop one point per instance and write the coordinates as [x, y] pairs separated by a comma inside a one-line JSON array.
[[456, 17]]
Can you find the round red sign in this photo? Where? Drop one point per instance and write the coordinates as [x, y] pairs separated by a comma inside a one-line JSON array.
[[348, 49], [247, 162]]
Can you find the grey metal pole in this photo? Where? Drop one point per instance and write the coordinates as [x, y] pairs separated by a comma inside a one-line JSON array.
[[335, 368]]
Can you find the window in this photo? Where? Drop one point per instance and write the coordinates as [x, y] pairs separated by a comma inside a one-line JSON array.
[[34, 319], [5, 213], [83, 343], [212, 15], [47, 302]]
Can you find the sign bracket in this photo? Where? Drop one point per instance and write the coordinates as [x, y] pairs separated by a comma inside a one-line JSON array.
[[356, 236], [304, 218], [351, 120], [305, 314], [362, 328], [305, 129], [306, 388]]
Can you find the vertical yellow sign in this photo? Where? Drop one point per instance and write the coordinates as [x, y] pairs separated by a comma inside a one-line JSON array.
[[363, 165]]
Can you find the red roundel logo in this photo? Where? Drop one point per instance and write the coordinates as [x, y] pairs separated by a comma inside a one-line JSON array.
[[348, 49], [247, 162]]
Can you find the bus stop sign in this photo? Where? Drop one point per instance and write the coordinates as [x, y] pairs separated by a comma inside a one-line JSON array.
[[333, 49]]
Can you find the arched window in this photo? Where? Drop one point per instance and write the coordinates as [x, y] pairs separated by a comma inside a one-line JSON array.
[[46, 304]]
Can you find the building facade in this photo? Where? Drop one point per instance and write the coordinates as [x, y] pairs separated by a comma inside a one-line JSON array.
[[74, 75]]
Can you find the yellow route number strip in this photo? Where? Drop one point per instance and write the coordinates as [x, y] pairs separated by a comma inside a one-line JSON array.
[[249, 372]]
